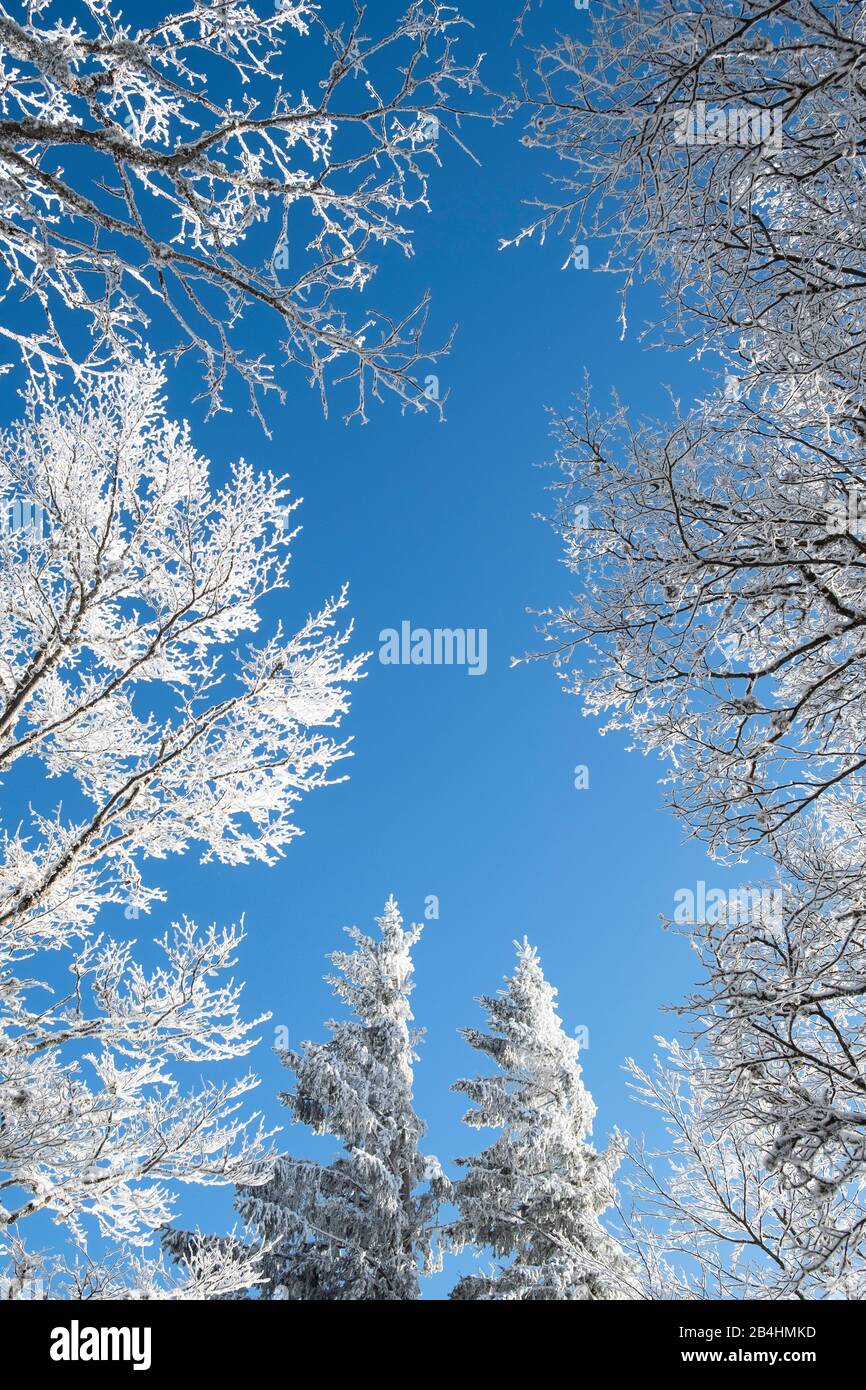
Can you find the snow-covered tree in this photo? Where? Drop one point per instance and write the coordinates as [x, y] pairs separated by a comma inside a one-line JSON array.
[[721, 607], [360, 1227], [781, 1011], [126, 582], [534, 1197], [711, 1221], [95, 1127], [230, 160], [720, 621], [718, 147], [768, 1105]]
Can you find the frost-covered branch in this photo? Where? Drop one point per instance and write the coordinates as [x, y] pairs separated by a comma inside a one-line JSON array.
[[718, 148], [232, 161], [711, 1215], [720, 614]]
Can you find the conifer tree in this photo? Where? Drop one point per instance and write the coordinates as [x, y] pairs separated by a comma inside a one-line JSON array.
[[359, 1228], [535, 1195]]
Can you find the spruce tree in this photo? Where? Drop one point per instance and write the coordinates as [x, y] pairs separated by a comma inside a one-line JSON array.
[[534, 1197], [359, 1228]]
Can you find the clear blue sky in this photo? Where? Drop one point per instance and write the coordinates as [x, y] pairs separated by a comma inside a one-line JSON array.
[[461, 787]]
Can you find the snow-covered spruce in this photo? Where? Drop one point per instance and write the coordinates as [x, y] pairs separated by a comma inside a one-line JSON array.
[[360, 1227], [126, 584], [536, 1194]]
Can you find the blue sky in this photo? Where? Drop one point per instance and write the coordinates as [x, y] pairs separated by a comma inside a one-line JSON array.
[[461, 787]]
